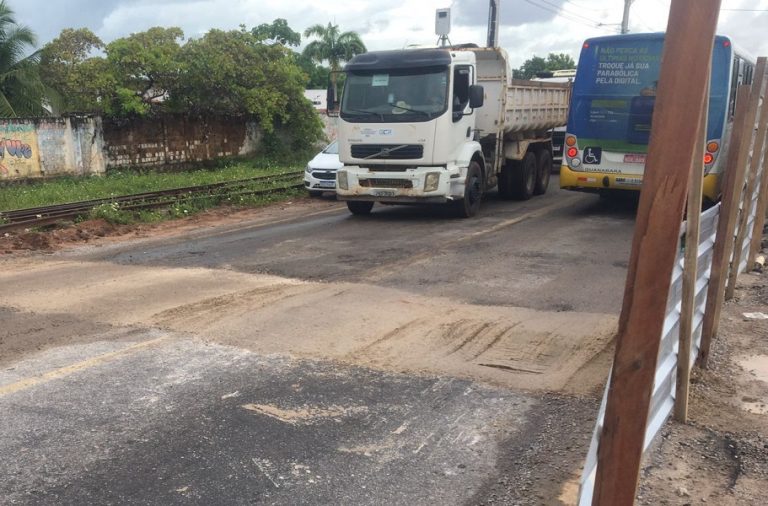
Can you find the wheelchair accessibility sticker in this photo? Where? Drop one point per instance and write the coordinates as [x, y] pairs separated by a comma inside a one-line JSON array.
[[592, 155]]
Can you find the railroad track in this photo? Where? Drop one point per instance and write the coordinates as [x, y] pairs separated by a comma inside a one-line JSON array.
[[45, 215]]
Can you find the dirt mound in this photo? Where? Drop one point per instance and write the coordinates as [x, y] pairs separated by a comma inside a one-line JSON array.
[[67, 234], [48, 240]]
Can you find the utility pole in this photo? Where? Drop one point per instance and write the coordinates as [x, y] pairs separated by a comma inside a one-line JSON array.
[[625, 18], [493, 23]]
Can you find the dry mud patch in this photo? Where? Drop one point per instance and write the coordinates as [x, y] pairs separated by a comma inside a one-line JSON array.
[[357, 324]]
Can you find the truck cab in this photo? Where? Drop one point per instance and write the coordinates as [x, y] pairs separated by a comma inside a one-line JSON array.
[[406, 129], [416, 127]]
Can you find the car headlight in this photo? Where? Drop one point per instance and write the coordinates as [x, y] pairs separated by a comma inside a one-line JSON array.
[[431, 181], [341, 180], [308, 168]]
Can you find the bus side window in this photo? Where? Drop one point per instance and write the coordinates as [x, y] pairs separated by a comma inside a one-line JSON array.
[[734, 86], [748, 73]]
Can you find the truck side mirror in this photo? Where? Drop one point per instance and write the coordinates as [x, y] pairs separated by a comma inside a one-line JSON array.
[[332, 107], [476, 95], [330, 99]]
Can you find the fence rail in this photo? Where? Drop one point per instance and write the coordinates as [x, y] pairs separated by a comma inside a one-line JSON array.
[[663, 396]]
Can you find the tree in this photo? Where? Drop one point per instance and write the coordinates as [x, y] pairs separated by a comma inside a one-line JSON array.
[[22, 92], [537, 64], [560, 61], [233, 73], [317, 74], [80, 80], [278, 32], [333, 47], [146, 66]]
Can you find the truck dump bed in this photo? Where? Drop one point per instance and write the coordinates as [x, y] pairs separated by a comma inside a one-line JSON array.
[[516, 106]]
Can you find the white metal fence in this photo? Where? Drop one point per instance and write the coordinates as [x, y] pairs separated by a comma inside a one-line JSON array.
[[663, 397]]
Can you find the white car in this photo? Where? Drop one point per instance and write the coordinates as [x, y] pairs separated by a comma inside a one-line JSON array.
[[320, 174]]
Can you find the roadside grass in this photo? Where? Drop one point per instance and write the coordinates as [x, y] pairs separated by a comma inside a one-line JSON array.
[[127, 182]]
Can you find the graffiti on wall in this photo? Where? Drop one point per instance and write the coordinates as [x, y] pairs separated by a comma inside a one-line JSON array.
[[18, 150]]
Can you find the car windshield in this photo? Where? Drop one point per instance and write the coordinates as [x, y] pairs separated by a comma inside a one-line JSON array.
[[332, 149], [401, 95]]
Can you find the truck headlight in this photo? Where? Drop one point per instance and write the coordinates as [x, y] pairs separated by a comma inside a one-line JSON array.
[[431, 181], [308, 168], [341, 180]]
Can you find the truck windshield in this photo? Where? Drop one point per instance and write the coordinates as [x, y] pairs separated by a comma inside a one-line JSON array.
[[399, 95]]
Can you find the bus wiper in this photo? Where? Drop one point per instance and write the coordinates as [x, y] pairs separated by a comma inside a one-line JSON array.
[[425, 113], [366, 111]]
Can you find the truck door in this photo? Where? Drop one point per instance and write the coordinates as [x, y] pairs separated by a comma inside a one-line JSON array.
[[462, 117]]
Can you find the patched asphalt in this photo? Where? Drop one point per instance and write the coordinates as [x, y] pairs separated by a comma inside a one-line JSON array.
[[182, 422]]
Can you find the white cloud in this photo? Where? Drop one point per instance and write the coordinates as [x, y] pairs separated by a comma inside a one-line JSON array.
[[528, 27]]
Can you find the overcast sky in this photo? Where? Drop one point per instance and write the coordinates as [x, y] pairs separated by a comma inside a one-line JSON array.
[[528, 27]]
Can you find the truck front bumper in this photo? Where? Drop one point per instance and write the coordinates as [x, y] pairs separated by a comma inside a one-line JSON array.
[[412, 185]]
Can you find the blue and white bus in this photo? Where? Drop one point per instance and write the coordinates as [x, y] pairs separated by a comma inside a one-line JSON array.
[[609, 123]]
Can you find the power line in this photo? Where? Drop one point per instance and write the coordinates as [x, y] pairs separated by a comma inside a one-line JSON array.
[[570, 13], [583, 20]]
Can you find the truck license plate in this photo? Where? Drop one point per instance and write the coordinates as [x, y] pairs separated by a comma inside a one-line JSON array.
[[384, 193]]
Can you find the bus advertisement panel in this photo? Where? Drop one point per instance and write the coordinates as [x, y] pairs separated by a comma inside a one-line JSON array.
[[609, 123]]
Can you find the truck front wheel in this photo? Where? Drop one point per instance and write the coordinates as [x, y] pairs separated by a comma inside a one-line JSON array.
[[359, 206], [524, 177], [473, 192]]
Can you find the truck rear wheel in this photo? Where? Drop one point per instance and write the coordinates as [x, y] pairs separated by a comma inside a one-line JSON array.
[[473, 192], [544, 170], [524, 177], [359, 207], [505, 179]]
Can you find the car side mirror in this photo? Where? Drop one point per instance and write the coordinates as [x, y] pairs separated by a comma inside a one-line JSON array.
[[476, 96]]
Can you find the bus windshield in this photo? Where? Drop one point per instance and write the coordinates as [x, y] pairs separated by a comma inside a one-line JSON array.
[[401, 95], [615, 92]]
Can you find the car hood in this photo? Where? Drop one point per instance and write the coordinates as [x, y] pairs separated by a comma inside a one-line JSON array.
[[325, 161]]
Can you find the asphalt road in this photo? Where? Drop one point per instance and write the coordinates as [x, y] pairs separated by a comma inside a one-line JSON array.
[[402, 358]]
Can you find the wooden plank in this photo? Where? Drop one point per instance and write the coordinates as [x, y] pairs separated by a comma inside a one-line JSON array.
[[758, 92], [680, 104], [762, 195], [690, 269], [729, 206]]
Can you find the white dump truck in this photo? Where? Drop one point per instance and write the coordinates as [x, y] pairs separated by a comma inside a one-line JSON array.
[[443, 125]]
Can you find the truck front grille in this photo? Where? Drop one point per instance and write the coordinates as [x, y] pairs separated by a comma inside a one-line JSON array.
[[388, 151], [386, 183]]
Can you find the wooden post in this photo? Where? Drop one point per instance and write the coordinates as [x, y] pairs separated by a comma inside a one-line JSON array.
[[672, 155], [762, 194], [758, 92], [729, 206], [690, 269]]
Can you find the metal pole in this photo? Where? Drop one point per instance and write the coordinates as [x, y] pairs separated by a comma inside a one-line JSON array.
[[493, 23], [625, 17]]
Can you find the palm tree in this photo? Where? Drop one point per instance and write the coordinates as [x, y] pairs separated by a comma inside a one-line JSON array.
[[22, 93], [332, 46]]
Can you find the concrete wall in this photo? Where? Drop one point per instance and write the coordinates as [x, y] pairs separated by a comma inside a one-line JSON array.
[[177, 140], [50, 147], [90, 145]]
